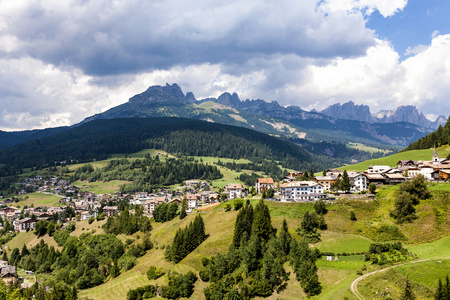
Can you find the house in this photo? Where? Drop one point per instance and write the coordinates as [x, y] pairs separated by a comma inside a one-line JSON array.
[[301, 191], [325, 181], [209, 196], [358, 181], [150, 204], [291, 176], [24, 224], [333, 172], [192, 202], [140, 195], [377, 169], [426, 170], [393, 178], [192, 183], [263, 184], [375, 178], [8, 273], [407, 163], [444, 174], [235, 190], [110, 210]]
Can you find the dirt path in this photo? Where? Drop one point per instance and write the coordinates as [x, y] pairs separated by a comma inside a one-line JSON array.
[[354, 285]]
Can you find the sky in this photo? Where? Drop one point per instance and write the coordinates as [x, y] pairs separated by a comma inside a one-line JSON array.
[[63, 61]]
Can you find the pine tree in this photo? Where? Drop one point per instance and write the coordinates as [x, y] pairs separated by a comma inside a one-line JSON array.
[[345, 184], [303, 262], [262, 226], [407, 292], [285, 238], [183, 213]]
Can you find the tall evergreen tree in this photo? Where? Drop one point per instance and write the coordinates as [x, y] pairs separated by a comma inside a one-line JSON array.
[[183, 213], [345, 184], [262, 225], [303, 262], [407, 293]]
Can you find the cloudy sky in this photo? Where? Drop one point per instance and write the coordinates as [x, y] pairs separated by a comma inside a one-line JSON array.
[[62, 61]]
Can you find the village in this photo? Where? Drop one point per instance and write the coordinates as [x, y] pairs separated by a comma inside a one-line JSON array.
[[86, 205]]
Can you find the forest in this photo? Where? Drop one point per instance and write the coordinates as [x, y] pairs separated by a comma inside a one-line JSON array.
[[99, 139], [148, 173]]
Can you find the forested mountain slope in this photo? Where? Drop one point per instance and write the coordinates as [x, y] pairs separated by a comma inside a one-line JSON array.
[[100, 138], [440, 137]]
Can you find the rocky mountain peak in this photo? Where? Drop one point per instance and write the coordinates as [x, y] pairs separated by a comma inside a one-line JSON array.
[[229, 100], [161, 95], [349, 111]]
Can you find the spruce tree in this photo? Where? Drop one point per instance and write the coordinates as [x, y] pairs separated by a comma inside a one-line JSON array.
[[345, 183], [262, 226], [183, 213], [407, 292], [285, 238]]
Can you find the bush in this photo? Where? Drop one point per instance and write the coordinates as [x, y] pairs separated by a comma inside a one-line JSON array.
[[238, 204], [91, 220], [154, 273], [352, 216], [227, 207], [143, 292], [127, 262]]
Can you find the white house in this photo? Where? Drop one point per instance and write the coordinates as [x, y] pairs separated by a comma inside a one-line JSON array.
[[235, 190], [263, 184], [358, 182], [301, 191]]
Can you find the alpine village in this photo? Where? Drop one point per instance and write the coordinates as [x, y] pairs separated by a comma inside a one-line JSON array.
[[169, 197]]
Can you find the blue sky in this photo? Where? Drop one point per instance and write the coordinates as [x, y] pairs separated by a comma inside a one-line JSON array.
[[62, 61], [414, 25]]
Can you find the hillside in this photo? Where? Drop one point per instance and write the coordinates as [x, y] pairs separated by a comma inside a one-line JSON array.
[[98, 139], [373, 223], [391, 160], [439, 137]]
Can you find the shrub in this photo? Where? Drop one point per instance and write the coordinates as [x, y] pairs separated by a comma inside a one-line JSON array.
[[154, 273]]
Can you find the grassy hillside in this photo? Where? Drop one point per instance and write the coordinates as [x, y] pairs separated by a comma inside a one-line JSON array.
[[430, 231], [427, 237], [392, 160]]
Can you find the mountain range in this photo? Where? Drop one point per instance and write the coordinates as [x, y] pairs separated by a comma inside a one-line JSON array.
[[402, 113], [338, 123]]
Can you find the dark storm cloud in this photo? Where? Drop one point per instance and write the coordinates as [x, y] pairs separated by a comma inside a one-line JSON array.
[[104, 37]]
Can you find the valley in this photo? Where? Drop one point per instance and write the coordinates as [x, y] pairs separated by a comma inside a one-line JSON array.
[[347, 240]]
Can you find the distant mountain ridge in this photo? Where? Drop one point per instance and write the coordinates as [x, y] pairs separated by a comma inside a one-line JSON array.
[[268, 117], [402, 113]]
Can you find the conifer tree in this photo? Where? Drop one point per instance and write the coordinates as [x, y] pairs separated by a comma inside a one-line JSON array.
[[285, 238], [303, 262], [407, 292], [345, 184], [262, 226], [183, 213]]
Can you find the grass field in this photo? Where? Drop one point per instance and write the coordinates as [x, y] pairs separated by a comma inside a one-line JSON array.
[[423, 276], [100, 187], [362, 147], [38, 199], [392, 160]]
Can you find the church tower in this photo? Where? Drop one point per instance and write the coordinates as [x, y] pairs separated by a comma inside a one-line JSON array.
[[436, 159]]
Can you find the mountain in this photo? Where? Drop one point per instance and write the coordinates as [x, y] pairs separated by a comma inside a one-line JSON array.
[[439, 137], [97, 139], [9, 139], [266, 117], [349, 111], [401, 114]]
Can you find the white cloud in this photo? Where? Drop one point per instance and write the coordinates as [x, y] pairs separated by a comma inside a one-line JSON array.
[[387, 8], [415, 50]]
